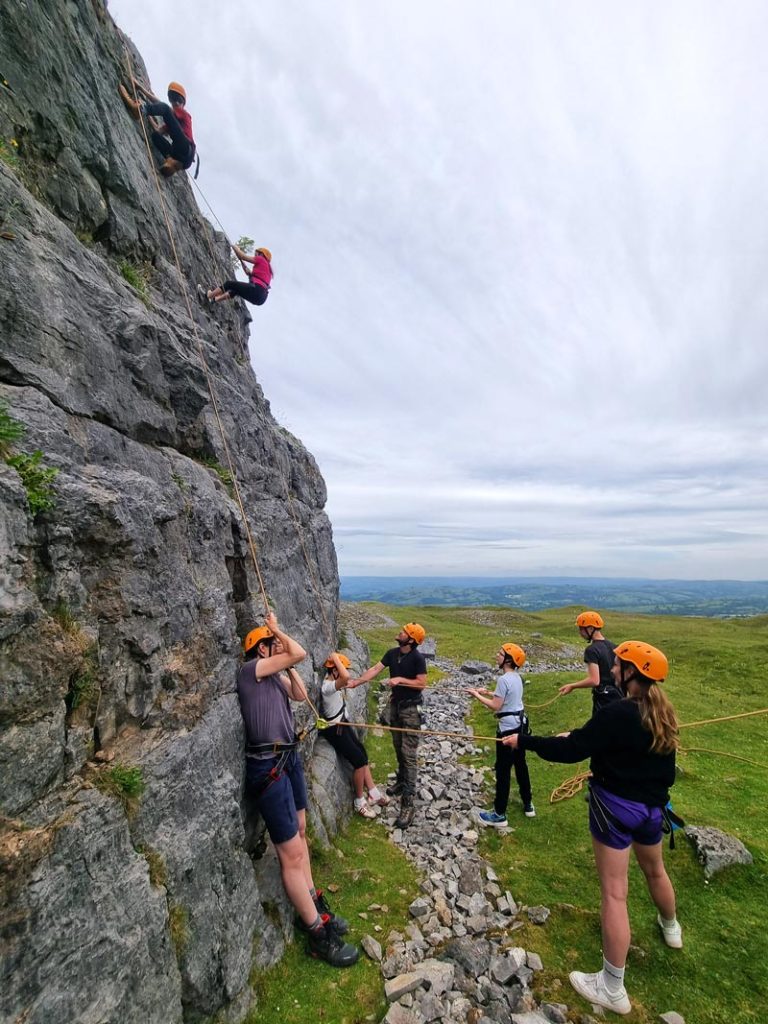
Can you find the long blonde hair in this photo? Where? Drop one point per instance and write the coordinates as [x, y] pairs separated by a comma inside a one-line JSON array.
[[658, 716]]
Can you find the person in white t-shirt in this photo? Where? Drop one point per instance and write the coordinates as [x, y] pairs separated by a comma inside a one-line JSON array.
[[333, 709], [507, 704]]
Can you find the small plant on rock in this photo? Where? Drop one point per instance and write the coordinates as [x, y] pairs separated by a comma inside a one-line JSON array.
[[221, 472], [11, 430], [37, 479], [137, 276], [125, 782], [178, 921], [9, 153]]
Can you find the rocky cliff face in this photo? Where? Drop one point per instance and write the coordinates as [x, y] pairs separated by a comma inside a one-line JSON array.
[[122, 607]]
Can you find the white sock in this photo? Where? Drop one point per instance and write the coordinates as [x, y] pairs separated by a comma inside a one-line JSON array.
[[613, 977], [375, 793], [359, 802], [668, 923]]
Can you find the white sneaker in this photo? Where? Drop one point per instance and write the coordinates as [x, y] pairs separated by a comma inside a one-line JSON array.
[[673, 933], [592, 987], [529, 810]]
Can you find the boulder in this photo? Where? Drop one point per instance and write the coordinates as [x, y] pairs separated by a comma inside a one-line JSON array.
[[716, 850]]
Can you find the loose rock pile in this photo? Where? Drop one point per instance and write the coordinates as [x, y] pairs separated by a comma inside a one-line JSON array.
[[456, 961]]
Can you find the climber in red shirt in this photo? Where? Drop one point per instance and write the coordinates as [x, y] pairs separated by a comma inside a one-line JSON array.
[[173, 139], [255, 289]]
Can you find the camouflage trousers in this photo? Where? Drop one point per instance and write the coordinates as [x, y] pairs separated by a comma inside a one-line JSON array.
[[406, 745]]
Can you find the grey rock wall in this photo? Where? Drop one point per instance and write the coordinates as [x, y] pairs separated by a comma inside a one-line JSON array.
[[122, 608]]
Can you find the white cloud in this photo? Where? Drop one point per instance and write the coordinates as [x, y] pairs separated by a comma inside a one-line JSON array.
[[520, 257]]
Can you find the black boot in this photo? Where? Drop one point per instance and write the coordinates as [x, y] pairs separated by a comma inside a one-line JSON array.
[[407, 812], [395, 789], [338, 924], [325, 944]]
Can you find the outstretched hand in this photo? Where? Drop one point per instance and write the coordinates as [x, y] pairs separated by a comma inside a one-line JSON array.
[[511, 741], [565, 689]]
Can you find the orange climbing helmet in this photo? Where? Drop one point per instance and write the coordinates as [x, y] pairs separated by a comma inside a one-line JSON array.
[[590, 619], [256, 636], [649, 661], [175, 87], [330, 663], [517, 654], [265, 253], [415, 631]]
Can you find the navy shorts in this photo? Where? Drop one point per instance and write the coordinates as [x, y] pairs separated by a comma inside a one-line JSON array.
[[616, 822], [280, 800]]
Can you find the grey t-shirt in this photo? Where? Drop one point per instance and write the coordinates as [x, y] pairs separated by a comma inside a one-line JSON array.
[[510, 687], [265, 707]]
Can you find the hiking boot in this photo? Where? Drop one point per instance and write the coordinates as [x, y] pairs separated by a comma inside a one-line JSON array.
[[338, 924], [169, 167], [324, 943], [672, 933], [491, 818], [529, 810], [395, 789], [131, 105], [407, 813], [592, 987]]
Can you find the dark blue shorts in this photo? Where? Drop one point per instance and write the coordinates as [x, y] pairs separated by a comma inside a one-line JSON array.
[[280, 800], [618, 823]]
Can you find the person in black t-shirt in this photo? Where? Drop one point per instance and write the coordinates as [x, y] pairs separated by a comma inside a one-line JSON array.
[[407, 678], [599, 660], [632, 745]]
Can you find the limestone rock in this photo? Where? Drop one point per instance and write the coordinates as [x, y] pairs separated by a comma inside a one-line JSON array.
[[716, 850], [538, 915], [397, 987], [672, 1017], [476, 668], [371, 947]]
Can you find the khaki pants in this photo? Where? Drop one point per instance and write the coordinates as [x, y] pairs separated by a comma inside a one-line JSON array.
[[406, 745]]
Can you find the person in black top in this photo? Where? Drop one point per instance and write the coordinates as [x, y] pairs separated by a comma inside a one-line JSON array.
[[632, 745], [407, 678], [599, 660]]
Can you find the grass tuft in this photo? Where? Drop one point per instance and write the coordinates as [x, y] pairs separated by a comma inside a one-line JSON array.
[[124, 782], [137, 275]]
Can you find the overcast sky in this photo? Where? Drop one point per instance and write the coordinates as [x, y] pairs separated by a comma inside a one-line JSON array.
[[520, 308]]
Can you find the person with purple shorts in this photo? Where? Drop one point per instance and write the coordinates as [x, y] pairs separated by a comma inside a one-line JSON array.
[[266, 684], [632, 744]]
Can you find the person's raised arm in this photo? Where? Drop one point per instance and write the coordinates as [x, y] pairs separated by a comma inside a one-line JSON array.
[[243, 256], [367, 676], [146, 93], [291, 654], [294, 684], [343, 677]]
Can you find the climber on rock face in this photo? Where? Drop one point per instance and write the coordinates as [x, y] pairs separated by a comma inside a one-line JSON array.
[[342, 738], [407, 678], [173, 140], [254, 290], [266, 684]]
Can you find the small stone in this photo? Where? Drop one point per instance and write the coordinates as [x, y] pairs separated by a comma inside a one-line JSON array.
[[398, 1014], [371, 947], [538, 915], [533, 960], [396, 988], [420, 907], [672, 1017], [556, 1012]]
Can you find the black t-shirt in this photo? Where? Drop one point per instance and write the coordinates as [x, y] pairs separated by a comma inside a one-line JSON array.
[[619, 748], [408, 666], [600, 653]]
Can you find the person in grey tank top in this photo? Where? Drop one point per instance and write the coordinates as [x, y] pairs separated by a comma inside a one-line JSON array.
[[266, 684]]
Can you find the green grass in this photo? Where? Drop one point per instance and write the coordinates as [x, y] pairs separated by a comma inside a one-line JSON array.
[[125, 782], [717, 668], [11, 430], [9, 153], [137, 275]]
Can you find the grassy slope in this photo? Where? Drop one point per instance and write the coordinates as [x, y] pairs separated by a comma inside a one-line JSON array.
[[717, 668]]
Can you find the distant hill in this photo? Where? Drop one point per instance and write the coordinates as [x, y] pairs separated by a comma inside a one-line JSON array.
[[717, 598]]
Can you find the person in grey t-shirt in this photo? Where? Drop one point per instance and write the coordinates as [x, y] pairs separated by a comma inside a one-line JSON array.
[[266, 683], [507, 704]]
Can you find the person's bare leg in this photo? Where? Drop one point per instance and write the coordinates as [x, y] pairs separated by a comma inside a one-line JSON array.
[[612, 866], [214, 293], [293, 858], [224, 296], [368, 778], [651, 861], [358, 781], [307, 867]]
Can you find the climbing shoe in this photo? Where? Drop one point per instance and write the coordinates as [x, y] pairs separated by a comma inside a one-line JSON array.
[[324, 943], [203, 295], [395, 789], [407, 813], [339, 925], [672, 933], [593, 988], [131, 105], [169, 167], [492, 819]]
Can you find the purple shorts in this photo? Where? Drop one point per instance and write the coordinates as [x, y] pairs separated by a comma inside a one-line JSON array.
[[616, 822]]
